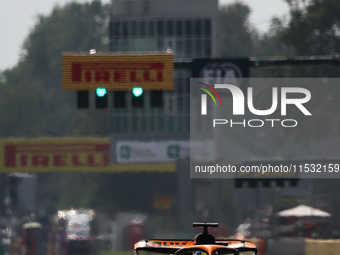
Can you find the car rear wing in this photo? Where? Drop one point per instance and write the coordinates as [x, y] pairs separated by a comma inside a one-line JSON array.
[[170, 246], [166, 246]]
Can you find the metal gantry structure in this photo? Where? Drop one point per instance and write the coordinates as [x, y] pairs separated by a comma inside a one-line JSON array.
[[279, 61]]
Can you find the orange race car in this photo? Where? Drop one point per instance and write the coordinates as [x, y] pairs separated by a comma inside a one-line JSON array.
[[203, 244]]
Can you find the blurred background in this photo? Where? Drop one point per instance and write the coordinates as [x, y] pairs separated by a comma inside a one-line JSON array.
[[69, 181]]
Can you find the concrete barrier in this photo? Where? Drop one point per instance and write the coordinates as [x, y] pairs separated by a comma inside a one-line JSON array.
[[322, 247], [299, 246], [287, 246]]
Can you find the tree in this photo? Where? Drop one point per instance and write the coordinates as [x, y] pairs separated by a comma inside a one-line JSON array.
[[236, 32], [32, 103], [31, 100]]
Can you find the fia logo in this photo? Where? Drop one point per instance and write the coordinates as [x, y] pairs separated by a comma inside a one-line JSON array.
[[226, 72]]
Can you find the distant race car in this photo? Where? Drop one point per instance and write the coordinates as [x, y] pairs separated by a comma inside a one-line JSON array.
[[203, 244]]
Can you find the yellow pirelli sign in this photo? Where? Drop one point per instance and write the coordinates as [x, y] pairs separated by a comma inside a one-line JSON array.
[[66, 155], [117, 71]]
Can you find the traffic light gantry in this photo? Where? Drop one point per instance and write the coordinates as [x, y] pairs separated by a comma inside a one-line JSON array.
[[120, 73], [119, 98]]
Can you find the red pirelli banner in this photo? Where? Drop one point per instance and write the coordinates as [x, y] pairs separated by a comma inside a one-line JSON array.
[[66, 154], [117, 71]]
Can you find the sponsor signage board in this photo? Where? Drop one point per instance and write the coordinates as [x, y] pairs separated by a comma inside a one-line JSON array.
[[161, 151], [122, 72], [155, 151], [65, 155]]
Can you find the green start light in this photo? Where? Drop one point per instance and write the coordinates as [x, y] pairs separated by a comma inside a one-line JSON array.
[[137, 91], [101, 92]]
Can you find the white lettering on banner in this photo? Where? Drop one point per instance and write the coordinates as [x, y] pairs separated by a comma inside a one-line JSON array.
[[163, 151], [255, 122], [239, 100], [142, 152]]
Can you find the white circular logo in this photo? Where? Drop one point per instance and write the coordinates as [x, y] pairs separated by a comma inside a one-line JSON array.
[[223, 73]]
